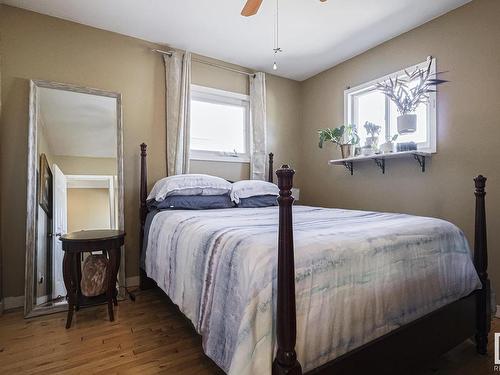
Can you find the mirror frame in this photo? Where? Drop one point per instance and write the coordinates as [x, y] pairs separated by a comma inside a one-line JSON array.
[[31, 310]]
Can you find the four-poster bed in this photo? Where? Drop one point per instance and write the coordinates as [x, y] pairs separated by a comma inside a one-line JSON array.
[[428, 336]]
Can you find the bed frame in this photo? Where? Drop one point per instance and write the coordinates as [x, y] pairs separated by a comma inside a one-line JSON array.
[[421, 340]]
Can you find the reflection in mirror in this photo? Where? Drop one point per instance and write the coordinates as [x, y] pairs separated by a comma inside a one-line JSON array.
[[77, 184]]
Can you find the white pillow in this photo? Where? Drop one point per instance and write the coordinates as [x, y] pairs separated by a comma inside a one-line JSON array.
[[252, 188], [189, 184]]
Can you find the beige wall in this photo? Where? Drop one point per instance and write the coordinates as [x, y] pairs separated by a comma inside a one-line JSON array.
[[35, 46], [86, 165], [43, 145], [466, 42], [88, 209]]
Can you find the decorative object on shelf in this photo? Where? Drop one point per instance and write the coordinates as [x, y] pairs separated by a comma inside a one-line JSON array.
[[366, 150], [407, 123], [406, 146], [373, 132], [345, 136], [408, 92], [388, 146]]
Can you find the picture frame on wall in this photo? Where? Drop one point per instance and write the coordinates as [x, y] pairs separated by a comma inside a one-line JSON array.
[[45, 186]]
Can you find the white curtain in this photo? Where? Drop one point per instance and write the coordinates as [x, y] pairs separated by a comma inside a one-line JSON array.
[[258, 138], [178, 84]]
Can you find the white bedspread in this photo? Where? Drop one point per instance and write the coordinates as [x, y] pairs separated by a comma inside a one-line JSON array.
[[359, 275]]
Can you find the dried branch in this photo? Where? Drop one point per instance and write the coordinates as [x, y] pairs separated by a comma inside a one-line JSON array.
[[407, 97]]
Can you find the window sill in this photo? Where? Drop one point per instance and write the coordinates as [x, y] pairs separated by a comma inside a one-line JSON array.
[[221, 158]]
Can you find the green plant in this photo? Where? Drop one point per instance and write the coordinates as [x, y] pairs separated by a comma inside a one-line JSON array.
[[412, 89], [393, 139], [372, 129], [343, 135]]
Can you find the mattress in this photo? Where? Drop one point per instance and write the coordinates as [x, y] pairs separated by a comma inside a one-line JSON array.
[[358, 275]]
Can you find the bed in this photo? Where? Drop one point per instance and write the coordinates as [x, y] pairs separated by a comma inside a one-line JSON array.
[[380, 298]]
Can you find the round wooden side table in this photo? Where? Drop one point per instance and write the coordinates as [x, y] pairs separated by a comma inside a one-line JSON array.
[[106, 240]]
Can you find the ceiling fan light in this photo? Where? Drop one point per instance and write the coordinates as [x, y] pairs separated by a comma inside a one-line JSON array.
[[275, 66]]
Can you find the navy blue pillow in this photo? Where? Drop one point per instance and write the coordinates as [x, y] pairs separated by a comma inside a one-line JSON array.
[[258, 201], [192, 202]]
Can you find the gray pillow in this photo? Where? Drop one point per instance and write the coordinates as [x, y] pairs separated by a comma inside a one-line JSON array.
[[192, 202], [189, 184], [258, 201]]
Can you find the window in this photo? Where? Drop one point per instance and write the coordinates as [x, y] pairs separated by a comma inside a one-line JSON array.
[[364, 103], [219, 125]]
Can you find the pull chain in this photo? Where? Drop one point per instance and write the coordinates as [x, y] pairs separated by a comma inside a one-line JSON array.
[[276, 48]]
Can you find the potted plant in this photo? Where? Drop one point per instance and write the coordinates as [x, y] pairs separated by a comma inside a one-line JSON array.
[[388, 146], [373, 132], [408, 92], [345, 136], [366, 150]]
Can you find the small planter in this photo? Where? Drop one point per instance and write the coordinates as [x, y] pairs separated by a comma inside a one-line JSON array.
[[347, 151], [367, 151], [372, 142], [387, 147], [407, 123]]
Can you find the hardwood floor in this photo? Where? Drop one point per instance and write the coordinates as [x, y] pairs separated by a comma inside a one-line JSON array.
[[148, 336]]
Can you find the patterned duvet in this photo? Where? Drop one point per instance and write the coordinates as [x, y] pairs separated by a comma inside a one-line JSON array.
[[358, 276]]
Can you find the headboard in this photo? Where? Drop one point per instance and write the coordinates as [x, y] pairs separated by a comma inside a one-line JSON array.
[[143, 194]]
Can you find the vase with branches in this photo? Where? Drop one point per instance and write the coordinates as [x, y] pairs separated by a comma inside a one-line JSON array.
[[407, 92]]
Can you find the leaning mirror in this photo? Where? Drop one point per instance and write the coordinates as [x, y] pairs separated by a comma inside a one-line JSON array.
[[75, 182]]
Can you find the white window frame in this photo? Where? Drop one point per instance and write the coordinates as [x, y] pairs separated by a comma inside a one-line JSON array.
[[216, 96], [351, 94]]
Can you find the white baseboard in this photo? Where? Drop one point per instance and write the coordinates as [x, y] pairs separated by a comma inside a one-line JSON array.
[[13, 302], [132, 281]]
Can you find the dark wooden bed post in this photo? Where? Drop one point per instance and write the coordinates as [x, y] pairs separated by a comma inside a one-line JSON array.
[[286, 321], [144, 281], [483, 301], [270, 168]]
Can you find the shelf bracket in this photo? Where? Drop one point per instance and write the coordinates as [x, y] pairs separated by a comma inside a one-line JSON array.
[[421, 161], [349, 166], [380, 163]]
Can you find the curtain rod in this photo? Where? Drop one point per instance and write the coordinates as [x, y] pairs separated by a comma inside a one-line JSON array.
[[169, 54]]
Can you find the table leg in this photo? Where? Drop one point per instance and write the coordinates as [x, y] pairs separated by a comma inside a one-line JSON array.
[[111, 276], [77, 277], [68, 283], [117, 267]]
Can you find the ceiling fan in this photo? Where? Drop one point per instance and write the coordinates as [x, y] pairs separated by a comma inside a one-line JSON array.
[[252, 7]]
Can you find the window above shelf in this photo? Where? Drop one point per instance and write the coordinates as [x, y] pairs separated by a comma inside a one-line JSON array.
[[365, 103], [380, 159]]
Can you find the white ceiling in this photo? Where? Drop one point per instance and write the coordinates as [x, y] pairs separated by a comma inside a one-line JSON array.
[[314, 36], [77, 124]]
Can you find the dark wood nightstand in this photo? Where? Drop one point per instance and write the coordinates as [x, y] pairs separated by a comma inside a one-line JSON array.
[[75, 243]]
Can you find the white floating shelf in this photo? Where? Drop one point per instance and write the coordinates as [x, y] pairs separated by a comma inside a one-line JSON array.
[[380, 159]]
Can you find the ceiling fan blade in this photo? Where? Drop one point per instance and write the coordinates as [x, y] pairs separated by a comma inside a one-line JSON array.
[[251, 8]]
